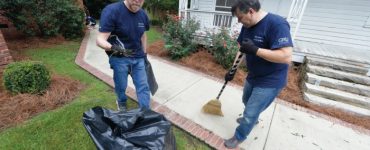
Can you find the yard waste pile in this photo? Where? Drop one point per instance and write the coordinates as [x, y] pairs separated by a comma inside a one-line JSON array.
[[135, 129]]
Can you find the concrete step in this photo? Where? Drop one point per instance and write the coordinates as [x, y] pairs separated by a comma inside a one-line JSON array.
[[335, 104], [349, 98], [338, 84], [340, 75], [345, 66], [346, 61]]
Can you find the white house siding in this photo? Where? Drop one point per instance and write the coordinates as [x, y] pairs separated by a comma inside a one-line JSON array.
[[336, 22], [204, 12], [206, 5]]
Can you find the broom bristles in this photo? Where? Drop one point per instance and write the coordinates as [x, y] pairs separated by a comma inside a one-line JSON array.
[[213, 107]]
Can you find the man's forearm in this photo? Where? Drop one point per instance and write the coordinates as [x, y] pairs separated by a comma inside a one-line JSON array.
[[283, 55], [102, 42], [144, 42]]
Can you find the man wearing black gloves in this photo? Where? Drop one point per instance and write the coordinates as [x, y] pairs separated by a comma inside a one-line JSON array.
[[266, 41], [128, 22]]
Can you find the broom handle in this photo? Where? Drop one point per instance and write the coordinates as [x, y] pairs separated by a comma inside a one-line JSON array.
[[233, 70]]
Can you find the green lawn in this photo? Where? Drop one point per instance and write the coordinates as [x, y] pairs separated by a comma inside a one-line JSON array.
[[62, 128]]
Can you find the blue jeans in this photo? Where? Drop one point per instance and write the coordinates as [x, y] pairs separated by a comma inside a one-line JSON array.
[[121, 67], [256, 100]]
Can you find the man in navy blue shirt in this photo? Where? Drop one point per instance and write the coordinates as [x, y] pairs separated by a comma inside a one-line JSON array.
[[266, 41], [127, 21]]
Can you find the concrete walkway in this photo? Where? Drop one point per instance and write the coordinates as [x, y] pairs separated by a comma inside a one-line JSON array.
[[182, 92]]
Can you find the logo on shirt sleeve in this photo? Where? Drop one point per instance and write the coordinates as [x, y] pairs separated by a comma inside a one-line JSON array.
[[283, 40]]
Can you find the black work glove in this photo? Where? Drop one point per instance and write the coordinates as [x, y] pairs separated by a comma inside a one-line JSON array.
[[248, 47], [229, 75], [121, 50]]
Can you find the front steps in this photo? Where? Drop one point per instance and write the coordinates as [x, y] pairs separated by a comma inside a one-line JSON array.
[[338, 83]]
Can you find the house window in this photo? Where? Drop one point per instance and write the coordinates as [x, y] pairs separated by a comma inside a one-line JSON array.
[[224, 5]]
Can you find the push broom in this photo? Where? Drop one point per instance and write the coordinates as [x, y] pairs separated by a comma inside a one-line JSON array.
[[214, 106]]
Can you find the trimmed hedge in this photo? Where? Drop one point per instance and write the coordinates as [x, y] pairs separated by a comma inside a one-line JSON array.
[[26, 77], [45, 18]]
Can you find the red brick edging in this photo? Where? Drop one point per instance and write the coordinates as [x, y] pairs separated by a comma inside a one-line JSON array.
[[5, 57], [189, 126]]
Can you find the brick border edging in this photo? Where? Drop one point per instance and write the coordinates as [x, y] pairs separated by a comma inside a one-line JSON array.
[[182, 122], [5, 56]]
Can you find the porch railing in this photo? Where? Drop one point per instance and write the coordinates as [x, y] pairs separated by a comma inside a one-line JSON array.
[[295, 15], [210, 19], [222, 20]]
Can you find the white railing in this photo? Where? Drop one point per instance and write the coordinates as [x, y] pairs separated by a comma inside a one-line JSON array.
[[295, 15], [210, 19], [222, 20]]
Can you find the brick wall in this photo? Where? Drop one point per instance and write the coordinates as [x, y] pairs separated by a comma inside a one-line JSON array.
[[5, 57]]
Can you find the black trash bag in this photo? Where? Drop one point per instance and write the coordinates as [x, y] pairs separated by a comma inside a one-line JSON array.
[[136, 129], [152, 82]]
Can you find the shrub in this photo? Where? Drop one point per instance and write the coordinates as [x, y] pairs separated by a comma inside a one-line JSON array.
[[223, 47], [26, 77], [179, 36], [45, 18]]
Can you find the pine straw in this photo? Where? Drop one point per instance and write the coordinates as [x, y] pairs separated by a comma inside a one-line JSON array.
[[293, 94], [17, 44], [200, 60], [204, 62], [15, 109], [25, 42]]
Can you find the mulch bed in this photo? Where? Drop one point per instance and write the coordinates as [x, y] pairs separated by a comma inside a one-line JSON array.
[[204, 62], [15, 109]]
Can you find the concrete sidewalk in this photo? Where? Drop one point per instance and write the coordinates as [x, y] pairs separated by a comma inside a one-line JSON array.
[[182, 92]]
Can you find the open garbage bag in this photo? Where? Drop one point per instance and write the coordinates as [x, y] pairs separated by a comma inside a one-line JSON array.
[[152, 82], [136, 129]]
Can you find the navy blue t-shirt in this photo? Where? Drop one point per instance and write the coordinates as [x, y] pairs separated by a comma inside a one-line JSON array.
[[272, 32], [128, 26]]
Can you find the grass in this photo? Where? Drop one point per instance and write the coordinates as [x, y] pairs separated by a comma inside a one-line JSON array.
[[62, 128], [153, 35]]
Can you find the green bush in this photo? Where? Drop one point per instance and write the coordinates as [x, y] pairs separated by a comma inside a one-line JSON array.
[[223, 47], [179, 36], [45, 18], [26, 77]]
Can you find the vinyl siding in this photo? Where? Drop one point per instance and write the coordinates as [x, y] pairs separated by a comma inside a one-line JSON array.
[[336, 22]]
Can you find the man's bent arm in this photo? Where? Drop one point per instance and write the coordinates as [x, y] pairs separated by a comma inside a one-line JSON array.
[[281, 55], [102, 42], [144, 42]]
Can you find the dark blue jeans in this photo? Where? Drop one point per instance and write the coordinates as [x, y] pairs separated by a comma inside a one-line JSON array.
[[121, 66], [256, 100]]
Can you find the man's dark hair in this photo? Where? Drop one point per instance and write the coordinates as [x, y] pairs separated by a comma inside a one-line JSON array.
[[244, 5]]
